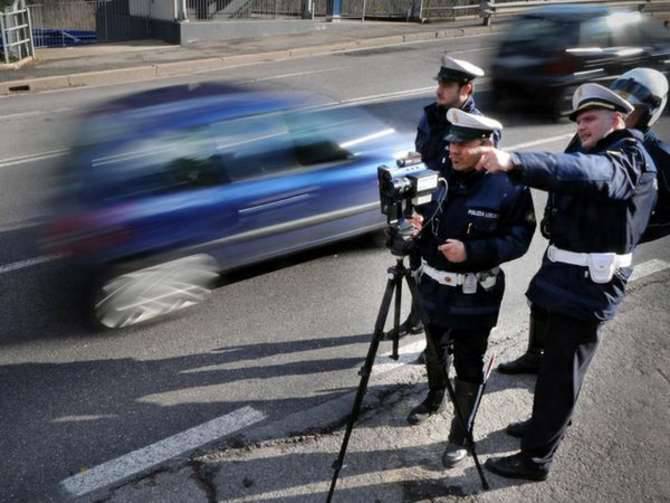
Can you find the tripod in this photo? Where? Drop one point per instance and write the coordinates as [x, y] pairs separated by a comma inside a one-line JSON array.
[[396, 274]]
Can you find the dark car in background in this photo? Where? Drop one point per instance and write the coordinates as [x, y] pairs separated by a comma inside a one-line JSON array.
[[167, 188], [548, 52]]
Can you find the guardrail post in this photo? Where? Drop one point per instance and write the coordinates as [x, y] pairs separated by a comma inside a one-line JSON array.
[[5, 43], [30, 32], [486, 10]]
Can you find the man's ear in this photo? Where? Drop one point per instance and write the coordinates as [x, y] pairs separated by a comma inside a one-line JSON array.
[[468, 89], [618, 119]]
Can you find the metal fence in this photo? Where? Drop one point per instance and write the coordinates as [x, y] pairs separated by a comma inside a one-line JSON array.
[[66, 23], [382, 9], [16, 42], [229, 9], [449, 9]]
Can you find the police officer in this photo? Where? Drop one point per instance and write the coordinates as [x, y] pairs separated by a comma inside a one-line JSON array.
[[647, 91], [455, 89], [602, 200], [463, 237]]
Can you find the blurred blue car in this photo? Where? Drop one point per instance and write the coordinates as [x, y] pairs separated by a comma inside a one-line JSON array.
[[169, 187]]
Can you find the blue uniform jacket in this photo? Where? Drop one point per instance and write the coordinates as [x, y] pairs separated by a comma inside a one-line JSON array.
[[495, 220], [600, 202], [659, 224], [432, 129]]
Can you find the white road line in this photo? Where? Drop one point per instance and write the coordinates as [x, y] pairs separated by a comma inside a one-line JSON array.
[[34, 113], [22, 224], [406, 355], [123, 467], [292, 75], [38, 156], [22, 264], [649, 267]]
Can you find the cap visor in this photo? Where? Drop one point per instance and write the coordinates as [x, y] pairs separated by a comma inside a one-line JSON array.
[[458, 138]]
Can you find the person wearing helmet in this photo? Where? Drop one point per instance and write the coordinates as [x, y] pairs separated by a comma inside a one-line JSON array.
[[455, 89], [647, 90], [602, 198]]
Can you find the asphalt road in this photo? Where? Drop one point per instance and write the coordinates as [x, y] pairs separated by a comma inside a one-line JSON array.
[[280, 337]]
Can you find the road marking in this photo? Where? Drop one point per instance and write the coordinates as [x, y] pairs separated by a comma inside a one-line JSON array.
[[649, 267], [22, 264], [39, 156], [22, 224], [291, 75], [406, 354], [22, 115], [135, 462]]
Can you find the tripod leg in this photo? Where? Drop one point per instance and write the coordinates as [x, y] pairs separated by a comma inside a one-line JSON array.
[[396, 314], [365, 372], [450, 390]]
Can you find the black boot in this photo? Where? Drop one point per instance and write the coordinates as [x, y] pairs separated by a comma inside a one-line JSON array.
[[466, 397], [530, 361], [412, 325], [433, 404], [516, 467]]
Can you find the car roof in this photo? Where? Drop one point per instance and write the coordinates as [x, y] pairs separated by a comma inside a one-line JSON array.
[[179, 105], [569, 12]]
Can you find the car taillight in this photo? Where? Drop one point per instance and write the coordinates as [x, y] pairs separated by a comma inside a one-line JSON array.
[[83, 235], [564, 65]]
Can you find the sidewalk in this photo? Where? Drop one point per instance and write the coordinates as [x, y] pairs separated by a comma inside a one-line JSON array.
[[618, 449], [119, 63]]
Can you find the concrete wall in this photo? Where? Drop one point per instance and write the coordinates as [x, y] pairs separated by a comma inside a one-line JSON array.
[[196, 31], [163, 10]]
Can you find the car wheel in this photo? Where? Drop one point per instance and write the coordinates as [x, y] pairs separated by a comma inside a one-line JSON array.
[[126, 296]]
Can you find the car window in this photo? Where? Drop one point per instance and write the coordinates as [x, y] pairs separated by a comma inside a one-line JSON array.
[[162, 162], [251, 147], [541, 34], [654, 31], [595, 32], [318, 135], [335, 135]]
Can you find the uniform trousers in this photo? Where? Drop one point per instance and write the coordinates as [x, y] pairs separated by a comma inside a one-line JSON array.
[[570, 344], [468, 347]]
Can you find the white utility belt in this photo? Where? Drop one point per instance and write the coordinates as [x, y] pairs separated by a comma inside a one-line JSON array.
[[602, 266], [468, 280]]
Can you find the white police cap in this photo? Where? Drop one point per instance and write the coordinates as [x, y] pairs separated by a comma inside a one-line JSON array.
[[592, 95], [466, 127], [458, 70]]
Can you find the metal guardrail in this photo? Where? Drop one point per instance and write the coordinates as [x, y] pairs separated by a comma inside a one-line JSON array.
[[16, 34], [227, 9], [487, 10]]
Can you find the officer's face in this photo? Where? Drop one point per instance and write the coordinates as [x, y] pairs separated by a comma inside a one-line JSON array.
[[594, 125], [451, 94], [465, 156]]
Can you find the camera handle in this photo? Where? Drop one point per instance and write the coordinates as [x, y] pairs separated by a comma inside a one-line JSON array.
[[394, 284]]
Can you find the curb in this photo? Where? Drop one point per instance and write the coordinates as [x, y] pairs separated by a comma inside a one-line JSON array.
[[17, 64], [205, 65]]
